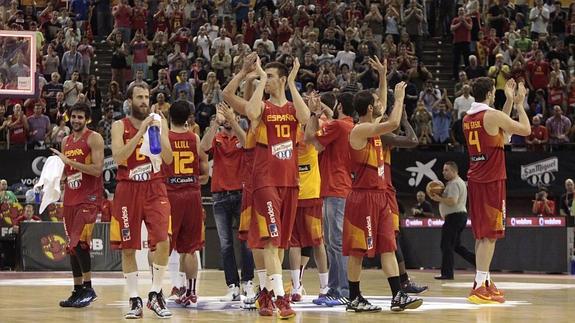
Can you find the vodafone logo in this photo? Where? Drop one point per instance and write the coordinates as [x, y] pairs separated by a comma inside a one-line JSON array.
[[536, 222], [541, 222]]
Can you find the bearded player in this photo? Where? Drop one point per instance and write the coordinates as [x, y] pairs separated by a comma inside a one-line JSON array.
[[275, 174], [83, 156], [184, 178], [368, 223], [140, 196], [485, 131]]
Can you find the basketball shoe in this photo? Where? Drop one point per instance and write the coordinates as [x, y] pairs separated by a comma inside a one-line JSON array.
[[284, 308], [72, 299], [360, 304], [157, 304], [402, 301], [482, 295], [135, 309], [264, 303]]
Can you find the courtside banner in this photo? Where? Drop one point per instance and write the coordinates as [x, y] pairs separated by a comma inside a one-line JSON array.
[[43, 248], [509, 222]]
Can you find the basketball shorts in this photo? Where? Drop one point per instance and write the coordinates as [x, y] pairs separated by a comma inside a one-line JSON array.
[[368, 224], [245, 214], [135, 202], [307, 229], [188, 232], [79, 222], [273, 216], [487, 209], [393, 208]]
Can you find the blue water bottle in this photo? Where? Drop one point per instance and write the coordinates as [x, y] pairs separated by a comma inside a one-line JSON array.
[[154, 136], [37, 196]]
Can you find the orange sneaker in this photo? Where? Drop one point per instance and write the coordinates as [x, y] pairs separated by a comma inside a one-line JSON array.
[[264, 303], [496, 294], [482, 296], [284, 308]]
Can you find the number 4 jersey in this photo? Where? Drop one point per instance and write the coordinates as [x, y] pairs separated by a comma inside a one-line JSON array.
[[184, 172], [486, 154], [275, 161]]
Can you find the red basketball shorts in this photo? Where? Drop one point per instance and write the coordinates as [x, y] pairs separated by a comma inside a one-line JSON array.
[[79, 222], [307, 229], [273, 216], [368, 224], [245, 214], [135, 202], [487, 209], [188, 233], [393, 208]]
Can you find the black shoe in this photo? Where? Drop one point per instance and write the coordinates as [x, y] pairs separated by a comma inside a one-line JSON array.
[[360, 304], [86, 297], [157, 304], [71, 300], [412, 288], [402, 301], [135, 309], [441, 277]]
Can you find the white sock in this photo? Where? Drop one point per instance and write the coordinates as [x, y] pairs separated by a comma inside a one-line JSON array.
[[132, 282], [323, 278], [295, 279], [182, 280], [263, 278], [277, 284], [488, 278], [480, 278], [159, 272]]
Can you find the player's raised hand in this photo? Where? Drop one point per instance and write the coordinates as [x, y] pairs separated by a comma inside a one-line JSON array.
[[399, 92], [376, 64], [293, 74], [220, 118], [226, 112], [510, 88], [314, 102], [520, 96], [249, 62], [259, 69]]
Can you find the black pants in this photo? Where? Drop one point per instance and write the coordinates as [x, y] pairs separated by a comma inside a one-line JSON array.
[[451, 241], [460, 49]]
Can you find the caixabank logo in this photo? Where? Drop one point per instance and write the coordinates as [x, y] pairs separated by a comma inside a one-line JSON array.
[[54, 247]]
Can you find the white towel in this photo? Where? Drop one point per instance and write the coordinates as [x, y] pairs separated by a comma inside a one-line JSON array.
[[145, 149], [477, 107], [50, 181]]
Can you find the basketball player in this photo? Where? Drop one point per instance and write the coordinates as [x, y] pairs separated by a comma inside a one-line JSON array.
[[140, 196], [307, 232], [83, 156], [275, 174], [485, 130], [183, 182], [368, 226]]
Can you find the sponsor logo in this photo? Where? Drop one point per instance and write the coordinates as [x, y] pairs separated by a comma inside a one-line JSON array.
[[97, 246], [283, 150], [126, 225], [54, 247], [478, 158], [304, 168], [182, 180], [381, 171], [536, 222], [141, 173], [75, 181], [272, 227], [420, 170], [540, 172], [369, 233], [273, 230]]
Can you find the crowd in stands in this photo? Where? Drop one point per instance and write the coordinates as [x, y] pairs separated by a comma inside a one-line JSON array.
[[189, 50]]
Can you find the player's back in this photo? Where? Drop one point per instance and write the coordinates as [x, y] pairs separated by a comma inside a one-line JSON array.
[[486, 154], [367, 166], [248, 156], [309, 176], [81, 187], [275, 159], [184, 172]]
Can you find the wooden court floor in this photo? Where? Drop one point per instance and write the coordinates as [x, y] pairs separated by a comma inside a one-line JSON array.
[[34, 297]]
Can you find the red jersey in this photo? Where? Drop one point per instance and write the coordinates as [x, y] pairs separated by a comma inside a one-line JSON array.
[[137, 168], [539, 72], [227, 154], [139, 18], [248, 160], [275, 160], [81, 187], [184, 172], [335, 163], [18, 132], [161, 22], [486, 155], [368, 166], [177, 20]]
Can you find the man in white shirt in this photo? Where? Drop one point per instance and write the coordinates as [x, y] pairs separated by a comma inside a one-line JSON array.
[[539, 18], [223, 40], [268, 44], [72, 89], [463, 102], [345, 56]]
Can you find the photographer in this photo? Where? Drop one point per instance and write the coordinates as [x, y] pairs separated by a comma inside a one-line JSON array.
[[541, 205]]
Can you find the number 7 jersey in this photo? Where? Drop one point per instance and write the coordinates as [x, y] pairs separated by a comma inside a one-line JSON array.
[[275, 154], [486, 154]]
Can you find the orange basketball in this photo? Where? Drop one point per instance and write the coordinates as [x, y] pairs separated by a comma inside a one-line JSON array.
[[435, 187]]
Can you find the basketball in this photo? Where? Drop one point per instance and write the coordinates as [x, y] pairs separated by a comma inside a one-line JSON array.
[[434, 187]]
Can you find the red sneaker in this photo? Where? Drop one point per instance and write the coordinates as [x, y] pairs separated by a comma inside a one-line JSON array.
[[496, 294], [284, 308], [187, 300], [482, 296], [264, 303]]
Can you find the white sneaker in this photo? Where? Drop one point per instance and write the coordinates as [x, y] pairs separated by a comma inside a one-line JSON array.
[[248, 289], [233, 294]]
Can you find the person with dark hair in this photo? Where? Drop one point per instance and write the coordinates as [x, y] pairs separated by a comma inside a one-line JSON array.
[[485, 131], [183, 182], [452, 209], [367, 209], [141, 196], [542, 206], [82, 153], [275, 194]]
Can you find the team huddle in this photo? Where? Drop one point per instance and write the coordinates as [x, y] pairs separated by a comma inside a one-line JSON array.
[[312, 181]]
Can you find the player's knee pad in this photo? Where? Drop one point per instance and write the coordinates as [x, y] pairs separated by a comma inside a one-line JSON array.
[[83, 255], [76, 269], [306, 251]]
